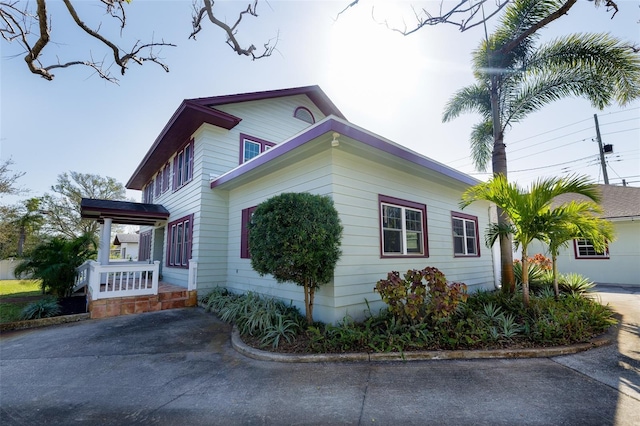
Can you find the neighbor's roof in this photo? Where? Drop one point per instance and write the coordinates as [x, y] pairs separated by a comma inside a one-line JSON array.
[[123, 212], [618, 202], [192, 113], [360, 141], [126, 238]]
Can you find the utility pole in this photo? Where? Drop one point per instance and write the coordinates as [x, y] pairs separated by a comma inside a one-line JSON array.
[[604, 164]]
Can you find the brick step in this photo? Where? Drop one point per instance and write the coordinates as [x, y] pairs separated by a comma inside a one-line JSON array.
[[103, 308]]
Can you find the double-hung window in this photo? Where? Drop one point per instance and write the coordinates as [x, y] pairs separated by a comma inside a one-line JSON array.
[[183, 166], [584, 249], [147, 193], [465, 235], [252, 147], [179, 242], [403, 227]]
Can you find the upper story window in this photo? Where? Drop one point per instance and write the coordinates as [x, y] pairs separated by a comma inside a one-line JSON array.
[[158, 185], [179, 242], [465, 235], [166, 173], [584, 249], [147, 193], [252, 147], [304, 114], [183, 166], [403, 226]]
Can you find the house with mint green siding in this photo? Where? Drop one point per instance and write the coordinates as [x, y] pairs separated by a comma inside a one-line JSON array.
[[620, 262], [218, 158]]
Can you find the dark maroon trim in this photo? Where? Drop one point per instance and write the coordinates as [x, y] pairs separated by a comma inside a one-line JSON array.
[[348, 130], [187, 161], [244, 232], [170, 241], [263, 143], [189, 116], [403, 203], [467, 217], [317, 96], [313, 118], [144, 250], [578, 257]]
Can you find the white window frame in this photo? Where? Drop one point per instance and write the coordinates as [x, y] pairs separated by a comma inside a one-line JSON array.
[[465, 237], [404, 206]]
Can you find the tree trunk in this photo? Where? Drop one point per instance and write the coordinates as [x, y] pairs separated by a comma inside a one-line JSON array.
[[556, 289], [309, 294], [21, 240], [499, 165], [525, 277]]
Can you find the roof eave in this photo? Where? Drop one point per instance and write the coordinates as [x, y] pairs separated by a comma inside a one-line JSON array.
[[189, 116]]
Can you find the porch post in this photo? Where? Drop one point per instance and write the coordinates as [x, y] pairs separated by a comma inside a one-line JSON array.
[[105, 241]]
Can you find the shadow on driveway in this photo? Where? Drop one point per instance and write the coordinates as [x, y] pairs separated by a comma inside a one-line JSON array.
[[178, 367]]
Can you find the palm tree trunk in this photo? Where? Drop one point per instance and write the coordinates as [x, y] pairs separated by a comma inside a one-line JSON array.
[[556, 289], [499, 165], [525, 277]]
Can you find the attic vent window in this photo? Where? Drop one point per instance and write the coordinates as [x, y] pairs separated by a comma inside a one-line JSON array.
[[304, 114]]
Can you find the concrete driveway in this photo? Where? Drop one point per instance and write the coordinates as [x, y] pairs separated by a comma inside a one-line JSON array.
[[177, 367]]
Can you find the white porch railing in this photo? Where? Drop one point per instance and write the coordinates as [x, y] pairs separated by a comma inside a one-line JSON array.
[[118, 279]]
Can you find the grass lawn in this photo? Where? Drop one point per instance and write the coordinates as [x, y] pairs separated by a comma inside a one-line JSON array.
[[10, 312]]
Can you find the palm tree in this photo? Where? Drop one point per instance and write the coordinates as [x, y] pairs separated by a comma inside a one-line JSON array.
[[529, 212], [30, 221], [516, 78], [55, 262], [577, 219]]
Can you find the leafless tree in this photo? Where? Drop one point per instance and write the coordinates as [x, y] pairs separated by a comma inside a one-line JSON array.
[[30, 25], [466, 14]]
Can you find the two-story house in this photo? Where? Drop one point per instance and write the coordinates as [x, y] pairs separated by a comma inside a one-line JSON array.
[[218, 158]]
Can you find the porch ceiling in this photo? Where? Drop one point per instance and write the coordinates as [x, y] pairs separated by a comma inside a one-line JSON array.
[[123, 212]]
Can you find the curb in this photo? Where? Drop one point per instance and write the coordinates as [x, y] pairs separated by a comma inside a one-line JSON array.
[[42, 322], [251, 352]]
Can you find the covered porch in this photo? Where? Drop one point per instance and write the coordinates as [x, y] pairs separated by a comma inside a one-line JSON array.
[[122, 287]]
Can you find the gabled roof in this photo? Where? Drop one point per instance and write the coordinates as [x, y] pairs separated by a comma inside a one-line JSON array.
[[192, 113], [126, 238], [123, 212], [618, 202], [319, 137]]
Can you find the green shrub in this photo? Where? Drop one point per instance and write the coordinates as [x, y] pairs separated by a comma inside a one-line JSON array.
[[575, 284], [43, 308]]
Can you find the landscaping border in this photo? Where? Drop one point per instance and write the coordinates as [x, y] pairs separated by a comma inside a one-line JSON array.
[[42, 322], [251, 352]]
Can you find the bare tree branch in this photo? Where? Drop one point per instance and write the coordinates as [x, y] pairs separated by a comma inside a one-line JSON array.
[[205, 10]]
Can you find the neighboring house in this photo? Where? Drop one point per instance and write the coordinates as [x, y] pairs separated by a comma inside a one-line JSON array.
[[620, 263], [218, 158], [128, 245]]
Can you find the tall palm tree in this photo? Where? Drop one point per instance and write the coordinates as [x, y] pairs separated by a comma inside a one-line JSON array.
[[529, 212], [516, 78], [577, 219]]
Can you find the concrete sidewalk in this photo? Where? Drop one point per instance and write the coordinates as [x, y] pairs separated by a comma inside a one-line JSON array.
[[178, 367]]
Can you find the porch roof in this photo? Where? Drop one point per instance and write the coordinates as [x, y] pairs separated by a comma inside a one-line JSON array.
[[123, 212]]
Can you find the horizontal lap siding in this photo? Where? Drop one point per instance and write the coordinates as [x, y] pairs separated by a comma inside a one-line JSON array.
[[622, 266], [272, 119], [311, 175], [357, 184]]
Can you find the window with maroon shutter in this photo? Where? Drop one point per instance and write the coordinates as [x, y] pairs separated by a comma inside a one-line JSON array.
[[244, 233], [183, 166]]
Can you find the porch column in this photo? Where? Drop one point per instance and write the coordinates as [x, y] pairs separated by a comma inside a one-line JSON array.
[[105, 242]]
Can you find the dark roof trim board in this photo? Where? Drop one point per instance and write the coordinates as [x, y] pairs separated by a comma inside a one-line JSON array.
[[185, 121], [317, 96], [192, 113], [334, 124], [123, 212]]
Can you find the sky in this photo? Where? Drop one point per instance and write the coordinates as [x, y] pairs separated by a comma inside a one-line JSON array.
[[392, 85]]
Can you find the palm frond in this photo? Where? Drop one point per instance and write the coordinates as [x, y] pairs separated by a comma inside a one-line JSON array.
[[482, 144], [474, 98]]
